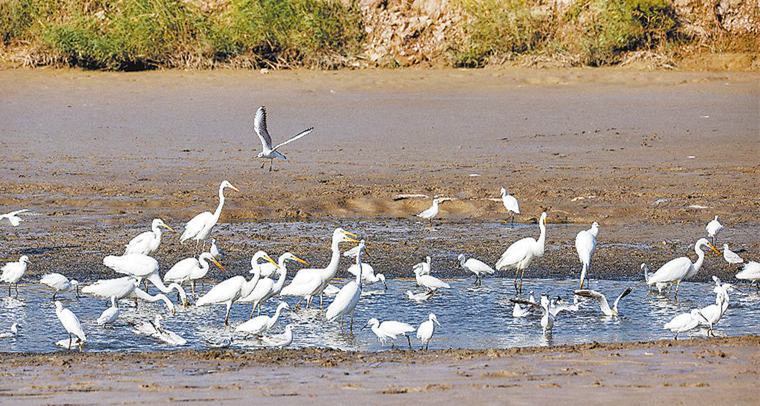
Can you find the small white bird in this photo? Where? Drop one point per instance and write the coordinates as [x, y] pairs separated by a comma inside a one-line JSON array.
[[751, 273], [659, 285], [13, 271], [510, 203], [685, 322], [731, 257], [475, 266], [13, 333], [585, 244], [713, 228], [60, 283], [111, 314], [519, 311], [421, 296], [280, 340], [430, 282], [605, 307], [71, 323], [199, 227], [369, 277], [550, 308], [389, 330], [345, 301], [714, 312], [155, 330], [427, 329], [261, 324], [521, 253], [432, 211], [147, 242], [215, 250], [13, 217], [269, 152], [423, 268]]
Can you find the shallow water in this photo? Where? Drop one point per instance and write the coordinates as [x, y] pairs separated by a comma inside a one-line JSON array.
[[474, 317]]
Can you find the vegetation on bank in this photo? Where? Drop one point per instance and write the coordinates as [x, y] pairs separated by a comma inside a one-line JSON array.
[[149, 34]]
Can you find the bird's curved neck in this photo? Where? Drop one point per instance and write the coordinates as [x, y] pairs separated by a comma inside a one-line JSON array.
[[332, 267], [539, 250], [700, 258], [248, 286], [218, 211], [359, 274]]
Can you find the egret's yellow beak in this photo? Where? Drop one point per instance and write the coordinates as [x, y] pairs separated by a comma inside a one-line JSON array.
[[217, 263], [300, 260], [268, 258], [167, 227]]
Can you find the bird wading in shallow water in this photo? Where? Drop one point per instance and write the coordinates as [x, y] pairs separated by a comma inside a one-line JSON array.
[[585, 245], [475, 266], [147, 242], [267, 151], [750, 273], [13, 271], [200, 226], [521, 253], [71, 323], [427, 329], [679, 269]]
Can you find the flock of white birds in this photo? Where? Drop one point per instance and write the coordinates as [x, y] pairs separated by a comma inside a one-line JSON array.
[[268, 277]]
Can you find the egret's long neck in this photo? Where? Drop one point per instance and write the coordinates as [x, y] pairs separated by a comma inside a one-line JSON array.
[[539, 249], [700, 258], [157, 231], [283, 274], [332, 267], [250, 285], [359, 264], [218, 211]]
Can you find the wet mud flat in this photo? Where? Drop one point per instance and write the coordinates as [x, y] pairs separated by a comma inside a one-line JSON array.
[[723, 370]]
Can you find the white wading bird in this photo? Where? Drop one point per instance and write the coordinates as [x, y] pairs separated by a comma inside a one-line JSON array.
[[13, 217], [731, 257], [605, 307], [200, 226], [521, 253], [681, 268], [13, 333], [143, 267], [266, 288], [659, 285], [269, 152], [71, 323], [124, 287], [585, 244], [345, 301], [147, 242], [550, 308], [215, 250], [111, 314], [308, 282], [13, 271], [369, 277], [519, 311], [389, 329], [713, 228], [155, 330], [421, 296], [510, 203], [432, 211], [280, 340], [190, 270], [426, 330], [750, 273], [261, 324], [232, 289], [60, 283], [714, 312], [423, 268], [475, 266], [428, 281], [685, 322]]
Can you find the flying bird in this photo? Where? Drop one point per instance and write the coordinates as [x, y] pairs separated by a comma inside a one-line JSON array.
[[269, 152], [13, 216]]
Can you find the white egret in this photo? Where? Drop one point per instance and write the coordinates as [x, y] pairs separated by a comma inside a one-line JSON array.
[[267, 151], [432, 211], [13, 271], [585, 244], [308, 282], [605, 307], [681, 268], [510, 203], [111, 314], [261, 324], [155, 330], [141, 267], [731, 257], [389, 330], [369, 277], [714, 312], [713, 228], [345, 301], [266, 288], [280, 340], [147, 242], [429, 281], [421, 296], [190, 270], [215, 250], [13, 333], [59, 283], [751, 273], [71, 323], [475, 266], [423, 268], [685, 322], [124, 287], [427, 329], [232, 289], [200, 226], [521, 253], [659, 285], [13, 217]]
